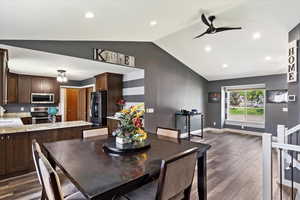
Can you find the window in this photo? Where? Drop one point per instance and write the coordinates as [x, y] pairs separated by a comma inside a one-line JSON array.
[[245, 107]]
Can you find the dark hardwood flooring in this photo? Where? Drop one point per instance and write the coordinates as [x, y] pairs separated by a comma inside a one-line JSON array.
[[234, 171]]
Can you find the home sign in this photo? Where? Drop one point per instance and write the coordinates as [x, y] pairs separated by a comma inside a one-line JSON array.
[[292, 62]]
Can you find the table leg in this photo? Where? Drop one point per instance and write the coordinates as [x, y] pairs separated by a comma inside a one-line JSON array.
[[202, 177]]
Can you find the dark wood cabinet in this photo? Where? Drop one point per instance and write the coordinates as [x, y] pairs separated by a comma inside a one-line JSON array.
[[112, 125], [17, 152], [24, 89], [3, 76], [45, 85], [2, 155], [101, 82], [37, 84], [26, 120], [12, 88], [113, 84]]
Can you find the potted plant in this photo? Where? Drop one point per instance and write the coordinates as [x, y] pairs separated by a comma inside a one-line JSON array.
[[131, 126]]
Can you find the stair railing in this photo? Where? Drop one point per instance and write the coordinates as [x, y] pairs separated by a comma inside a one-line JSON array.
[[267, 147]]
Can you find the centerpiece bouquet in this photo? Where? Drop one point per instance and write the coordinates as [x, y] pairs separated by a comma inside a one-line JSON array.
[[131, 125]]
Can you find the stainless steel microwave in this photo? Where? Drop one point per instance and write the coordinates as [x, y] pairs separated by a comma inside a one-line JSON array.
[[40, 98]]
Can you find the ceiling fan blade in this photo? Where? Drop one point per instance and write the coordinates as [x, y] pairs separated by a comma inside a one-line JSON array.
[[227, 29], [200, 35], [204, 20]]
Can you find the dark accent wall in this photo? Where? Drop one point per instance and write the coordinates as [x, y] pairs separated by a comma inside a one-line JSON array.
[[169, 84], [274, 114]]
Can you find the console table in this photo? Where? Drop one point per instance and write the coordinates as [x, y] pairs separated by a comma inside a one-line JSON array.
[[188, 121]]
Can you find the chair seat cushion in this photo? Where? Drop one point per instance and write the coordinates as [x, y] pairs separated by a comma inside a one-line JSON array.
[[76, 196], [146, 192], [68, 187]]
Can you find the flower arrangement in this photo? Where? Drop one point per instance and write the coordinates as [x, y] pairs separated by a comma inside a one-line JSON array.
[[121, 103], [131, 124]]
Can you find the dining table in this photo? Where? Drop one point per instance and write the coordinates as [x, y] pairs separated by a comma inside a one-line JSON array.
[[101, 174]]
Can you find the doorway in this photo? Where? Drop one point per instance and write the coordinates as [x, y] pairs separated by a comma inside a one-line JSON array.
[[76, 104]]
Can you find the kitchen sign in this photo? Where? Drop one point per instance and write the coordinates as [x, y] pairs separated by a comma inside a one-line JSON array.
[[292, 62], [113, 57]]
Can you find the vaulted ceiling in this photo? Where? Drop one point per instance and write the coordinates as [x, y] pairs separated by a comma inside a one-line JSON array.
[[171, 24]]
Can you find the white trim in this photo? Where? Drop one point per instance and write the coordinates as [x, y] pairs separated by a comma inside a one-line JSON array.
[[134, 91], [267, 167], [134, 75], [246, 124], [245, 87], [223, 130], [79, 87]]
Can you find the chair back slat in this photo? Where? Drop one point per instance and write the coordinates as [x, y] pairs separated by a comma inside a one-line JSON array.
[[167, 132], [36, 149], [50, 179], [95, 132], [176, 176]]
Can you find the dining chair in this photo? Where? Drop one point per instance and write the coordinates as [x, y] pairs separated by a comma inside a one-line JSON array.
[[67, 187], [175, 180], [168, 132], [95, 132]]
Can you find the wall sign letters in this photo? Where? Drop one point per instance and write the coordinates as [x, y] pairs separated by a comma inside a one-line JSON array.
[[113, 57], [292, 62]]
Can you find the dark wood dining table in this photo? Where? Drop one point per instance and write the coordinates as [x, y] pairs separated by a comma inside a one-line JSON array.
[[99, 174]]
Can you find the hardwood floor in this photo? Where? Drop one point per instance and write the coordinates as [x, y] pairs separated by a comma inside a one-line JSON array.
[[234, 171]]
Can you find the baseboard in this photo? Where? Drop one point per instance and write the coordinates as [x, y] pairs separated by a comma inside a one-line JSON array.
[[235, 131]]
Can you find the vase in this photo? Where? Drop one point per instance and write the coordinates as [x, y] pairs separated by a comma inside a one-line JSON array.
[[123, 140]]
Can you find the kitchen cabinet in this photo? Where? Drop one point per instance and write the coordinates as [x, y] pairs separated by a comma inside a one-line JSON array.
[[113, 84], [41, 137], [37, 84], [24, 89], [3, 75], [26, 120], [112, 125], [45, 85], [12, 88], [2, 155], [17, 152]]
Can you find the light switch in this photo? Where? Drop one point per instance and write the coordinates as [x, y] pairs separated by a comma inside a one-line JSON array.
[[150, 110], [284, 109], [22, 109]]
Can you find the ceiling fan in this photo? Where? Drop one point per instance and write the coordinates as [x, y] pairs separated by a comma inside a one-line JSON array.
[[211, 28]]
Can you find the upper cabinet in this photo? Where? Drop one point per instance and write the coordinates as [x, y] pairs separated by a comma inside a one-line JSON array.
[[12, 88], [24, 89], [3, 76], [113, 84], [45, 85]]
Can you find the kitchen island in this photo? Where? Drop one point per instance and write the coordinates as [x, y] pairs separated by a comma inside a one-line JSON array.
[[15, 143]]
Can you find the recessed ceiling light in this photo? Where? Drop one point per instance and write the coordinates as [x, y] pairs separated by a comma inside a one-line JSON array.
[[207, 48], [256, 35], [153, 23], [89, 15], [224, 65], [268, 58]]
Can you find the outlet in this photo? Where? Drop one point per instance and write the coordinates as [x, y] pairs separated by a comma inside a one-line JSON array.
[[215, 123], [243, 127], [22, 109]]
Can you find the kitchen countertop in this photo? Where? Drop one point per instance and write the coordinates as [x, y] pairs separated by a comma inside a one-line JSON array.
[[41, 127], [15, 115]]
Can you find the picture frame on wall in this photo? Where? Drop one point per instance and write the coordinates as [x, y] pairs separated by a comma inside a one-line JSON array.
[[214, 97], [277, 96]]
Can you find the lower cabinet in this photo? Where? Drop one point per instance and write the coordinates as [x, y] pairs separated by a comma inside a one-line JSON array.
[[16, 153], [2, 155]]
